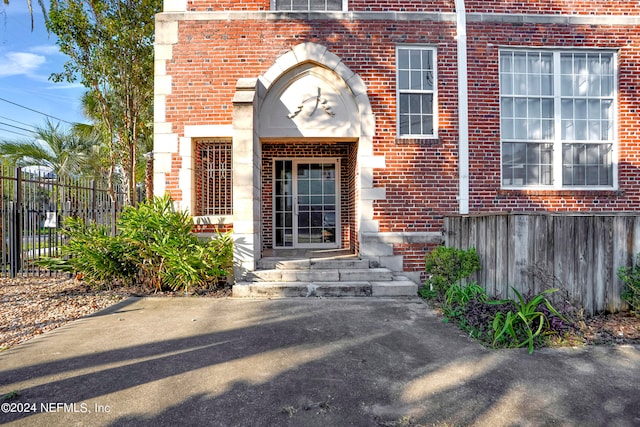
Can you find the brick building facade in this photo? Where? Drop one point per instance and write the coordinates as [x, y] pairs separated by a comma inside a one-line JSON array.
[[360, 125]]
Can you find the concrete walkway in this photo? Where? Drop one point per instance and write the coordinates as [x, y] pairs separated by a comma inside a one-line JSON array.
[[304, 362]]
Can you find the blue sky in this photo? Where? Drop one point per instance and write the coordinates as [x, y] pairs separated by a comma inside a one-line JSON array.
[[27, 59]]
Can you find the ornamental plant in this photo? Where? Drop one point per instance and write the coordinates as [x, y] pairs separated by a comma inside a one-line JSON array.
[[522, 322], [447, 266], [630, 277], [522, 325], [154, 245]]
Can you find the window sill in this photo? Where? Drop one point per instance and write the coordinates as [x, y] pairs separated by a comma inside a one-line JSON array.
[[417, 140], [213, 219], [561, 192]]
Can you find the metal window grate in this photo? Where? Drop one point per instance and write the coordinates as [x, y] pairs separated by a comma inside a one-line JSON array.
[[214, 188]]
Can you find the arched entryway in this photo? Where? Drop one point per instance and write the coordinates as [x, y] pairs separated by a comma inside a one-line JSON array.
[[303, 157]]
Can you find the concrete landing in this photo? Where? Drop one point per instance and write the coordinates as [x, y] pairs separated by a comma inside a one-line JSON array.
[[303, 362]]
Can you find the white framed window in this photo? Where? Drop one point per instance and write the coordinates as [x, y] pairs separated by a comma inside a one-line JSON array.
[[416, 97], [309, 5], [557, 118]]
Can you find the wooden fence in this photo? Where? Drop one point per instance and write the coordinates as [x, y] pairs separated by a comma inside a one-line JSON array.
[[535, 251]]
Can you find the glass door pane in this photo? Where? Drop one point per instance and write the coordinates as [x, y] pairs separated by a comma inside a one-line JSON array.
[[316, 196], [283, 202]]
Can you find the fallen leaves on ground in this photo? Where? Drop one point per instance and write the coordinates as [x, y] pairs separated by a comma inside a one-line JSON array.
[[618, 328], [30, 306]]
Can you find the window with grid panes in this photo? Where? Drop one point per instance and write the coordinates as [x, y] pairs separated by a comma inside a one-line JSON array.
[[557, 111], [309, 5], [214, 177], [416, 86]]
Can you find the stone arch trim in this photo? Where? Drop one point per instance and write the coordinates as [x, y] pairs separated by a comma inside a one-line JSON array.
[[319, 54], [365, 192]]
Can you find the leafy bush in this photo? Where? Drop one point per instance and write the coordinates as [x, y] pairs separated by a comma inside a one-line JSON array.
[[524, 322], [447, 266], [522, 326], [91, 253], [155, 245], [630, 276], [478, 318], [456, 298]]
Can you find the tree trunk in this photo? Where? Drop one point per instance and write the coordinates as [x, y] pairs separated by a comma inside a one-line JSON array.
[[148, 176]]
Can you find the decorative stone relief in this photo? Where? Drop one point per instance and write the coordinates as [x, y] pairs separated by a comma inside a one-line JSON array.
[[309, 101]]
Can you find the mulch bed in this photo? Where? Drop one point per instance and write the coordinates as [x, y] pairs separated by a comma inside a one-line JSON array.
[[31, 306], [618, 328]]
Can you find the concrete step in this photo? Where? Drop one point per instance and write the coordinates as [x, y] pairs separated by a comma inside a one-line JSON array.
[[394, 288], [323, 275], [350, 262], [390, 288]]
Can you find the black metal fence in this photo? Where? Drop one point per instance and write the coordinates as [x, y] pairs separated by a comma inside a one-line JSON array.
[[33, 206]]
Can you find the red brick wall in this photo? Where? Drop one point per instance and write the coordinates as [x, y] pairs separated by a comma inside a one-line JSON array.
[[420, 177], [355, 5], [484, 114], [538, 7], [553, 7]]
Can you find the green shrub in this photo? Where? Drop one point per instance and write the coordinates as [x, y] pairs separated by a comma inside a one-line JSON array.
[[524, 322], [456, 299], [154, 245], [92, 253], [630, 276], [447, 266], [461, 294]]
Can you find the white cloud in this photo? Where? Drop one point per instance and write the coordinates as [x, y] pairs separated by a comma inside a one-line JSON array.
[[66, 86], [20, 63], [46, 49]]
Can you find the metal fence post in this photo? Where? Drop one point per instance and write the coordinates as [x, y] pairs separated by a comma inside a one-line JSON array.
[[94, 207], [15, 228]]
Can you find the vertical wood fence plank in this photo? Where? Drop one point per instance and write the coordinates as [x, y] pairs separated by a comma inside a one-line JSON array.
[[583, 283], [489, 277], [541, 269], [590, 273], [465, 235], [600, 239], [619, 260], [502, 256], [447, 230], [478, 231], [519, 252], [609, 271], [559, 241], [636, 237], [472, 239]]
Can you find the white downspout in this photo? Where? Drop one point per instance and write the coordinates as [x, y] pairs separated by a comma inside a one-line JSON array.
[[463, 108]]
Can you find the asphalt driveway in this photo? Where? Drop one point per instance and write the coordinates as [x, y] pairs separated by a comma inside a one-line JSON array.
[[304, 362]]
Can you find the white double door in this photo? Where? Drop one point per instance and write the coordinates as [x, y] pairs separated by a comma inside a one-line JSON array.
[[306, 203]]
